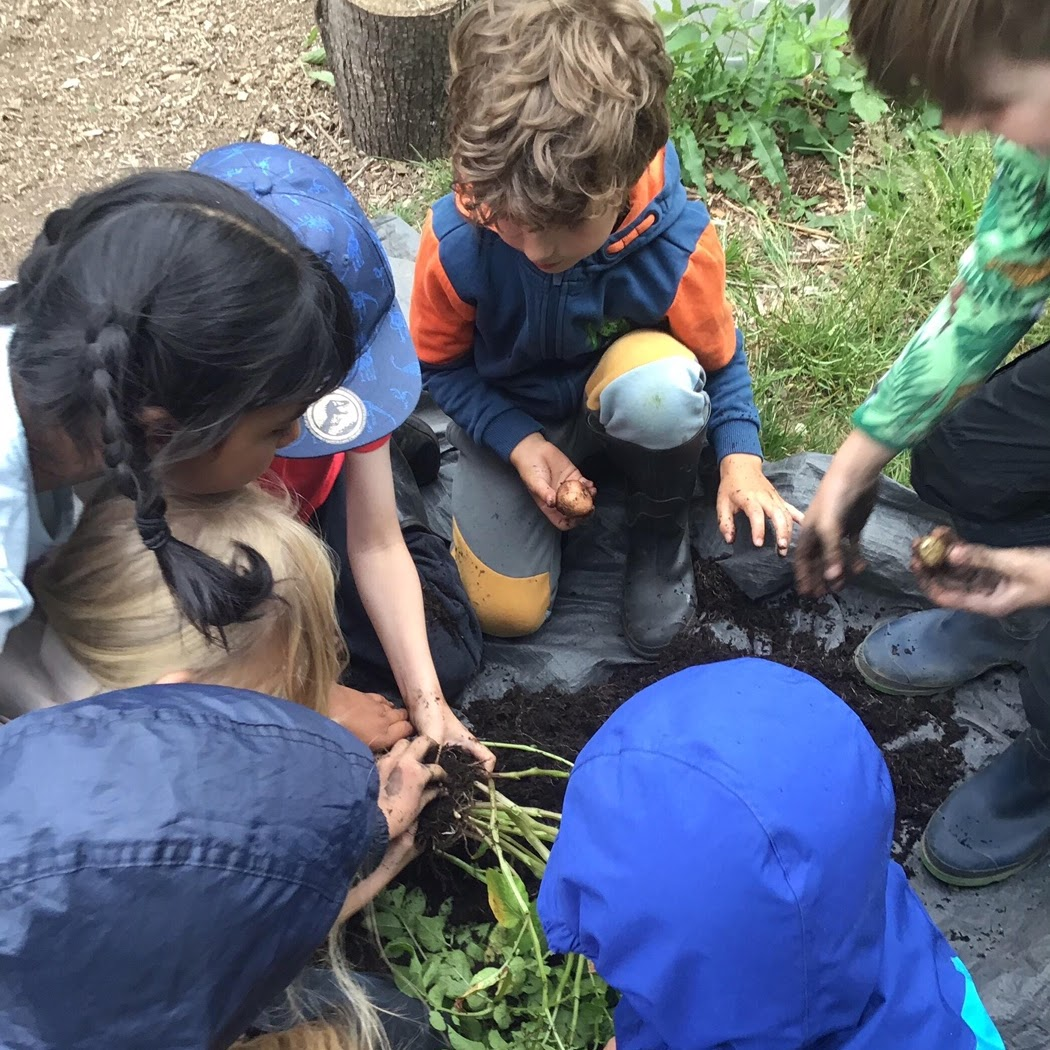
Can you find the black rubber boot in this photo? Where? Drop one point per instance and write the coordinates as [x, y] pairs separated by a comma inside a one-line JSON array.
[[998, 822], [421, 447], [659, 591], [411, 510]]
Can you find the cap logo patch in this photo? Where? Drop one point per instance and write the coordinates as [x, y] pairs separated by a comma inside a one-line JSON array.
[[337, 418]]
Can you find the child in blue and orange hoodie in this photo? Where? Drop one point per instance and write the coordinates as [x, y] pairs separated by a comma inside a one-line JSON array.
[[724, 862], [569, 299]]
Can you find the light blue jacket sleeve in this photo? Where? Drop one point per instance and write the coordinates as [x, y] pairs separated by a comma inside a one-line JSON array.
[[24, 534]]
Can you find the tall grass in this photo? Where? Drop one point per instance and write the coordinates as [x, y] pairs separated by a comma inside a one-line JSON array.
[[823, 326]]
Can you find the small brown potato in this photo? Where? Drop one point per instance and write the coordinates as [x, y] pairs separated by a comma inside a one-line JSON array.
[[933, 550], [573, 500]]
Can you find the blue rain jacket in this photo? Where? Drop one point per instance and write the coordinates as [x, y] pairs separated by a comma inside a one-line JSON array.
[[724, 860], [170, 858]]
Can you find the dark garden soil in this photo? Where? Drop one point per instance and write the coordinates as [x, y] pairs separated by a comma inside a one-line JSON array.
[[924, 765]]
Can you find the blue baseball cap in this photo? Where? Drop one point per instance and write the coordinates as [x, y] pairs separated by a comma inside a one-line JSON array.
[[383, 389]]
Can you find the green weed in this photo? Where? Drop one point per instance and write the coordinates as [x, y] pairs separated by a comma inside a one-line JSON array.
[[781, 81], [433, 179], [315, 58]]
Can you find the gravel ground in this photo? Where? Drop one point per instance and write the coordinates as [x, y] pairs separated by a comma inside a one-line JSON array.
[[91, 91]]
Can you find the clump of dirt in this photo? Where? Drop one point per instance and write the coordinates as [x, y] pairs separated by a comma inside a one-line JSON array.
[[441, 824]]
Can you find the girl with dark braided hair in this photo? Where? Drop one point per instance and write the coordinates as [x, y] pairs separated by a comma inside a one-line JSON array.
[[167, 332]]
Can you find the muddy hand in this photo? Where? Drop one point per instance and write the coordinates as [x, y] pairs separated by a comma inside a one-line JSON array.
[[989, 580], [828, 549], [435, 719], [407, 783], [744, 488]]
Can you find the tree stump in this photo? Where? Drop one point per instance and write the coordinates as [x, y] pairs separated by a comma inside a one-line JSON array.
[[389, 59]]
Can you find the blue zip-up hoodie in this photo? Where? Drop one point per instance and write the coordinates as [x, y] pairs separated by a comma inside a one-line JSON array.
[[724, 860], [170, 859], [505, 347]]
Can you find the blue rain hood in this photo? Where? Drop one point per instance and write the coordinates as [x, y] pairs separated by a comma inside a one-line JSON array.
[[724, 860], [170, 858]]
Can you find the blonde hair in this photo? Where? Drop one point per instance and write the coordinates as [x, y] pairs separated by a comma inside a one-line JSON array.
[[556, 107], [353, 1022], [103, 593]]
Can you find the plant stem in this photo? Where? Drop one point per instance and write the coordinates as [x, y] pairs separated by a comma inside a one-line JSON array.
[[462, 864], [581, 962], [529, 811], [523, 774], [530, 750]]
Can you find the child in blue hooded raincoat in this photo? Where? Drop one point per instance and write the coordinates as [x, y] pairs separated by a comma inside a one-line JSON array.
[[172, 856], [724, 861]]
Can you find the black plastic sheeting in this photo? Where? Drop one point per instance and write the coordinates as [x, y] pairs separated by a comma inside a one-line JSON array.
[[1002, 932]]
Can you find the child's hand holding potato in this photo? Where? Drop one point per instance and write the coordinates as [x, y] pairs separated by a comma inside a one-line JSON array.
[[564, 495]]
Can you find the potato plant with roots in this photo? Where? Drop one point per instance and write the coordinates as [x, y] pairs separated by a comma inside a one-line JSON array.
[[493, 985]]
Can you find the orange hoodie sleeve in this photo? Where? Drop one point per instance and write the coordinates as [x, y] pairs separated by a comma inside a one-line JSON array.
[[700, 316], [442, 324]]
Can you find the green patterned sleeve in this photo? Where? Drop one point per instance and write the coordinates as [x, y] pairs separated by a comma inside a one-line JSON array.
[[1002, 286]]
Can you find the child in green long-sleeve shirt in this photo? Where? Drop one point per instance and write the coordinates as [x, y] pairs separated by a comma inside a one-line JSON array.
[[981, 447]]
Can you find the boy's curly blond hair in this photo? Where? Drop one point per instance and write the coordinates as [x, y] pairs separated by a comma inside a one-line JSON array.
[[556, 107]]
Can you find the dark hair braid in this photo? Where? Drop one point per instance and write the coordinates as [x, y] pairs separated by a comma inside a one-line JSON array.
[[173, 291], [212, 595]]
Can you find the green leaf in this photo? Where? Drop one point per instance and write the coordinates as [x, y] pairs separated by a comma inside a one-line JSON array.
[[831, 63], [437, 1021], [732, 185], [316, 56], [460, 1042], [686, 36], [485, 978], [497, 1042], [694, 165], [836, 122], [843, 143], [397, 948], [767, 153], [794, 59], [501, 1015], [846, 83], [737, 137], [869, 106], [325, 76], [430, 932]]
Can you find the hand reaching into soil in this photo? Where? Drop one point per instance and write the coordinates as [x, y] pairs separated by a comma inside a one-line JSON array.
[[828, 550], [432, 717], [399, 854], [370, 717], [407, 784], [987, 580], [745, 488], [543, 467]]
